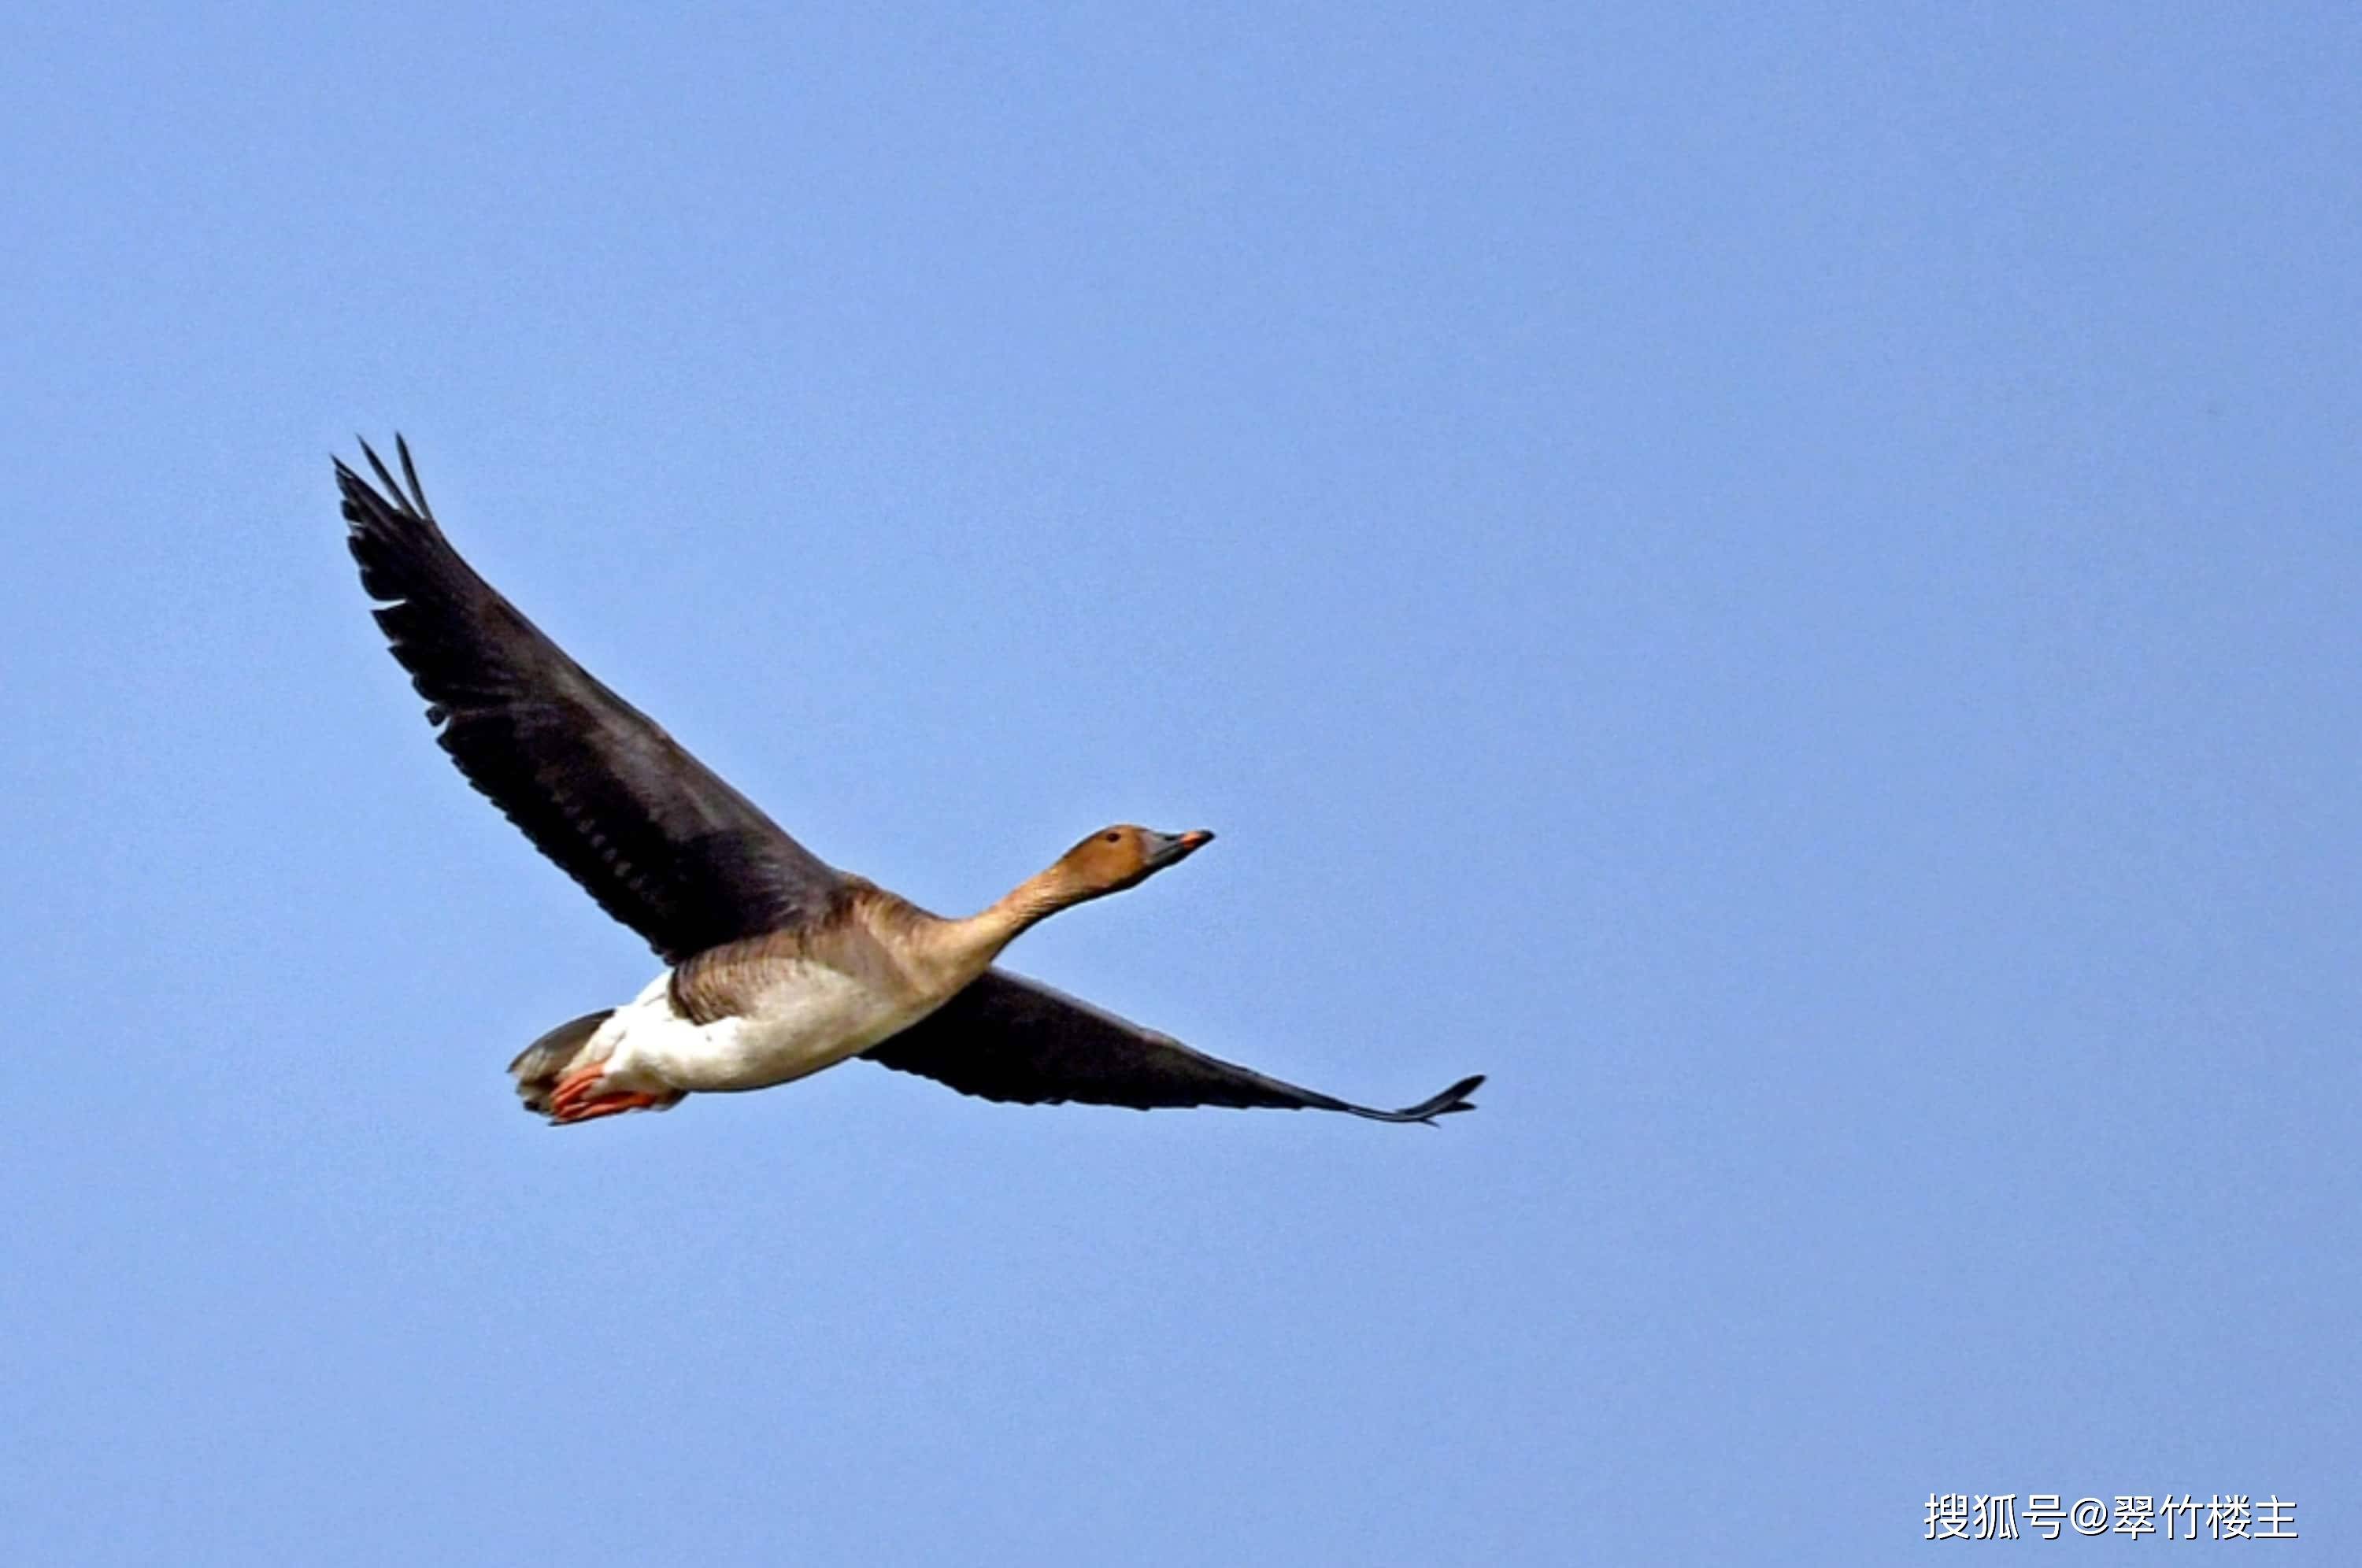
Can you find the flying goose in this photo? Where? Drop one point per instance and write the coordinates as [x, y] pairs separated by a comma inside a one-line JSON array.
[[777, 964]]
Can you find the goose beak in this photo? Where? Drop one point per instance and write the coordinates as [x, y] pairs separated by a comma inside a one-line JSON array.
[[1170, 849]]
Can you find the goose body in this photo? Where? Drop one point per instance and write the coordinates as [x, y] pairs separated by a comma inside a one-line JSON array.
[[813, 1016], [809, 1013], [760, 1012], [779, 964]]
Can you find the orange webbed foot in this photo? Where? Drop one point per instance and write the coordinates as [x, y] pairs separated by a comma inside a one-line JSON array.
[[578, 1097]]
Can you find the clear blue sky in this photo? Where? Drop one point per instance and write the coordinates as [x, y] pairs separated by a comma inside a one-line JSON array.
[[1785, 582]]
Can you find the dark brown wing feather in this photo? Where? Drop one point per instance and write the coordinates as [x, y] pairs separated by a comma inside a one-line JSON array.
[[1009, 1038], [663, 844]]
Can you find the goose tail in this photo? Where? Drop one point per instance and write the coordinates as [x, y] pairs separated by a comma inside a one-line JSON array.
[[539, 1066]]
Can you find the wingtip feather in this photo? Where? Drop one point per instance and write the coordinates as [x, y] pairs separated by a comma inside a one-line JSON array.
[[410, 472], [385, 475], [1449, 1102]]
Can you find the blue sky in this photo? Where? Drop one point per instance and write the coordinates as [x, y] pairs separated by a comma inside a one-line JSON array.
[[1783, 582]]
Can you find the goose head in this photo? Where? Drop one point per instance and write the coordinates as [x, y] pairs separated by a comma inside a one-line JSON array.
[[1122, 856]]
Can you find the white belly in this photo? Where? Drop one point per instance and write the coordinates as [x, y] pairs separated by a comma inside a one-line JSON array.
[[811, 1017]]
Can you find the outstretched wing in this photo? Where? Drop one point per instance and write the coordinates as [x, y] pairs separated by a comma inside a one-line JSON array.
[[663, 844], [1009, 1038]]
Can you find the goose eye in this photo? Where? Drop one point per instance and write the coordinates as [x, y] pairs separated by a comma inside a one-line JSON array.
[[1112, 837]]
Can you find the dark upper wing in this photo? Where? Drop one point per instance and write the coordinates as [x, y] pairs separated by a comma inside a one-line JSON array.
[[663, 845], [1009, 1038]]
